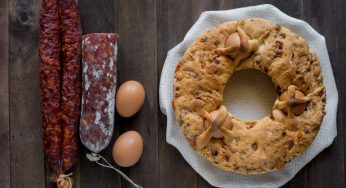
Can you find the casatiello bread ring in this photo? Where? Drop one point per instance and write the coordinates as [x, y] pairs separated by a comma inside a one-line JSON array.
[[257, 146]]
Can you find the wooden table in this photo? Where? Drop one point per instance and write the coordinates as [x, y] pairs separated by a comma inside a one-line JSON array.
[[148, 29]]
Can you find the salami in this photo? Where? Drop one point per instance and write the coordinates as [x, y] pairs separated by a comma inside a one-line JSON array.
[[50, 71], [70, 28], [99, 72]]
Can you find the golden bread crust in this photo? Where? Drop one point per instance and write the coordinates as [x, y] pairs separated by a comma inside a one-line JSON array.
[[262, 145]]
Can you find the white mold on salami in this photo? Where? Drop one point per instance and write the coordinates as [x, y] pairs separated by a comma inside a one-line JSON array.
[[99, 86]]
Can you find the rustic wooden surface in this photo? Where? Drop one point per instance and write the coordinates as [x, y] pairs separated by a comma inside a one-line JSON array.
[[148, 29]]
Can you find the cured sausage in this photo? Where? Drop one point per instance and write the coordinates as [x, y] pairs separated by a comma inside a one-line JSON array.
[[70, 28], [99, 73], [50, 71], [60, 95]]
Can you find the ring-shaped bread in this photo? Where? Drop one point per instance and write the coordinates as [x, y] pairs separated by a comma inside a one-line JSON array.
[[257, 146]]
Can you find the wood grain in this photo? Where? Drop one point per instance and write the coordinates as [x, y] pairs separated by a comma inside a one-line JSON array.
[[136, 22], [322, 170], [4, 98], [27, 162], [169, 33], [339, 70], [148, 29]]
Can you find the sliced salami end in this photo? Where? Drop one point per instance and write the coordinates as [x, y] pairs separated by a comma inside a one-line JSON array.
[[99, 71]]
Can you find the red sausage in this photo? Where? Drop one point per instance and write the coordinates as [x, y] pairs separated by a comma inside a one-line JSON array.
[[70, 28], [50, 82]]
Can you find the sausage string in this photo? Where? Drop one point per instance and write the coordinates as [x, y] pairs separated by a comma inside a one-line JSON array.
[[94, 157]]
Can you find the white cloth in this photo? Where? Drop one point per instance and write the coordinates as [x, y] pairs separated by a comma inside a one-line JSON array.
[[175, 137]]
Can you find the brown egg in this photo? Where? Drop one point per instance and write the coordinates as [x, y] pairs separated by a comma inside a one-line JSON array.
[[130, 98], [233, 41], [128, 149]]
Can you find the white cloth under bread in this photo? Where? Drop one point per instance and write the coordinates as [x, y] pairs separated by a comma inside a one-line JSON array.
[[174, 135]]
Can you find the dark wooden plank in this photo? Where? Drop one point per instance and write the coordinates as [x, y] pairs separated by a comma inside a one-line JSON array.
[[97, 16], [173, 21], [339, 69], [4, 98], [199, 6], [27, 161], [293, 8], [327, 168], [137, 61], [226, 5], [161, 164]]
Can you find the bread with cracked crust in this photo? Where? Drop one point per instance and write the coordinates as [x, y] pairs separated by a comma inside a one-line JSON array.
[[262, 145]]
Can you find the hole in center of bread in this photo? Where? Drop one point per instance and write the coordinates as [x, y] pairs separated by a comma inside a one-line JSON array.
[[249, 94]]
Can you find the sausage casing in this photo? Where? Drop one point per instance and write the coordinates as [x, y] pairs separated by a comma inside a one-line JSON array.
[[50, 71], [70, 28], [99, 73]]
